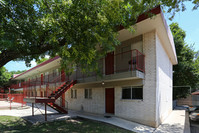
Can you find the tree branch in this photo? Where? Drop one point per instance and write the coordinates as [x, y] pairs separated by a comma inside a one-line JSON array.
[[8, 55]]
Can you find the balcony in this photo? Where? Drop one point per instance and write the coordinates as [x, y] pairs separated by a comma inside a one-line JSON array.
[[114, 67], [120, 66]]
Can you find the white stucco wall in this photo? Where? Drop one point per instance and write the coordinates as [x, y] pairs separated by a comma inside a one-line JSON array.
[[164, 82], [138, 110], [141, 111], [94, 105], [157, 89]]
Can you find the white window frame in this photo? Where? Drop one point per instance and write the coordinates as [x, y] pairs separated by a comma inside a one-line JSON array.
[[89, 91], [131, 87], [74, 93]]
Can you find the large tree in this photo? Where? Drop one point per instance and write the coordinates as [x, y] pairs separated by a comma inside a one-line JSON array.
[[71, 28], [186, 72], [4, 76]]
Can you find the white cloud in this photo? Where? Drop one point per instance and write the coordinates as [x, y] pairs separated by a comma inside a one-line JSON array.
[[33, 63], [47, 56]]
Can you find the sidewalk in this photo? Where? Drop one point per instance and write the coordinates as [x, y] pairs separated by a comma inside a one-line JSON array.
[[6, 105], [128, 125], [175, 123]]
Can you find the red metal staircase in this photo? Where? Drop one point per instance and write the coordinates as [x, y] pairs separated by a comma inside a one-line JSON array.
[[58, 108], [58, 93]]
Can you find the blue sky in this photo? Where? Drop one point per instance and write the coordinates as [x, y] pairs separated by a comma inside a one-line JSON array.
[[18, 65], [187, 20]]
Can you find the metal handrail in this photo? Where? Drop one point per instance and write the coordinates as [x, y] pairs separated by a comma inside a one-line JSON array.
[[136, 63]]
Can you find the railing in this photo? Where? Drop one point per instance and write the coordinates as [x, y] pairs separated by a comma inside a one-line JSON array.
[[46, 85], [123, 62], [18, 98], [3, 96]]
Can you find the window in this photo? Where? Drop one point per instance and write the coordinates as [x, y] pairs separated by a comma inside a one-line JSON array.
[[73, 93], [88, 93], [132, 93], [54, 73], [57, 72], [19, 83], [46, 73]]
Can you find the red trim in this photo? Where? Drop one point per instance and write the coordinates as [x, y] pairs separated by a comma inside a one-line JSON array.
[[154, 11], [42, 64], [145, 15]]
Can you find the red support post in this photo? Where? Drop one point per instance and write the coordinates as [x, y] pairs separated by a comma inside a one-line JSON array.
[[29, 89], [47, 87], [131, 67], [137, 59], [35, 88]]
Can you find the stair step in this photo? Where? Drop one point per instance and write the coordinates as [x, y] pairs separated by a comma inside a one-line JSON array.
[[51, 97], [57, 107], [62, 89]]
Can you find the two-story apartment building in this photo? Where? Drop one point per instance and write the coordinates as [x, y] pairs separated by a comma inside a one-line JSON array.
[[136, 82]]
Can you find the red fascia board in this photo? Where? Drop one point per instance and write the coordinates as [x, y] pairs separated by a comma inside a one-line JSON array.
[[154, 11], [42, 64]]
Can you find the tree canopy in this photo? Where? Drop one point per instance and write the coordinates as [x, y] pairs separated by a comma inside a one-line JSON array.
[[16, 72], [186, 72], [40, 60], [73, 29], [4, 76]]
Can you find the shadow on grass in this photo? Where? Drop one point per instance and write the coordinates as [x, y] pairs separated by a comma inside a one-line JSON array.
[[78, 125], [13, 124]]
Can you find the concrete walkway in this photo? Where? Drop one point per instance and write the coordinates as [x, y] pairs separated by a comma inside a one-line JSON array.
[[128, 125], [175, 123]]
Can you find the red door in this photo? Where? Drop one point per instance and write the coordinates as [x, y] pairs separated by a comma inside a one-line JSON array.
[[63, 100], [109, 63], [63, 76], [42, 79], [41, 94], [110, 104]]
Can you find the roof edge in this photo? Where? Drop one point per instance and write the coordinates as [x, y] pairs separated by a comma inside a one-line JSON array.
[[170, 38], [156, 10], [37, 66]]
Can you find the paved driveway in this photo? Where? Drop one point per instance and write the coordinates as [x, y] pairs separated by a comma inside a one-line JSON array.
[[194, 126]]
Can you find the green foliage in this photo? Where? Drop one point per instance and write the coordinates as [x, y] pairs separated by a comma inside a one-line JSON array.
[[186, 72], [40, 60], [4, 76], [12, 74], [16, 72], [80, 31]]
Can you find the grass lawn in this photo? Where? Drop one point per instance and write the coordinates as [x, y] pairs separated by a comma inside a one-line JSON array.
[[10, 124]]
